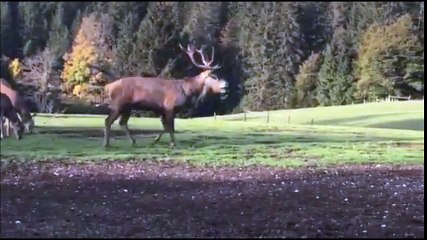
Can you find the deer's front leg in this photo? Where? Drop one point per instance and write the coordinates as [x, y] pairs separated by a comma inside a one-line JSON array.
[[7, 127]]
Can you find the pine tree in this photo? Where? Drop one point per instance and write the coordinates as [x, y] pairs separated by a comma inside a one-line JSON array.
[[307, 79], [58, 36], [6, 27], [34, 29], [231, 67], [287, 52], [313, 19], [203, 21], [342, 88], [121, 10], [75, 25], [271, 53], [125, 46], [156, 40], [326, 77], [336, 74]]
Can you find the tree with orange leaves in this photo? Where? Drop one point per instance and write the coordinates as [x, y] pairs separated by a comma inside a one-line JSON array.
[[90, 47]]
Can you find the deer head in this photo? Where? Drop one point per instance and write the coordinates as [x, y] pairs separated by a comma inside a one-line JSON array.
[[27, 121], [18, 129], [210, 81]]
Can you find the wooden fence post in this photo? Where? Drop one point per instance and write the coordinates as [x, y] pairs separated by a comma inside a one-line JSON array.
[[244, 116], [289, 119], [268, 116]]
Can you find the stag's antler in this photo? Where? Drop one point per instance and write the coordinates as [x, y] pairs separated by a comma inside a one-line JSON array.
[[206, 65]]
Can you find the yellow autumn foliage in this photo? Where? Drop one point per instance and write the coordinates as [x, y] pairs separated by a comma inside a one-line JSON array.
[[379, 46], [76, 68], [80, 90], [91, 46], [15, 68]]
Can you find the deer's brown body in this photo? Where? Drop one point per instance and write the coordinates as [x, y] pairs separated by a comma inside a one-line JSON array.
[[19, 105], [8, 111], [163, 96]]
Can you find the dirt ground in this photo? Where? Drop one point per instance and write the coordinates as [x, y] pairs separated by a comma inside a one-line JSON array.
[[171, 200]]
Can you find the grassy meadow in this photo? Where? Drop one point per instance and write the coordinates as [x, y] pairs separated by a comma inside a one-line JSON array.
[[373, 133]]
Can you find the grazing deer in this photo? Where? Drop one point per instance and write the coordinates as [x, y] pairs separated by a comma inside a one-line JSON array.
[[162, 96], [19, 104], [8, 111]]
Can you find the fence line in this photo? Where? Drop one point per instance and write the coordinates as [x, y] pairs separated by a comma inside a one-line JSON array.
[[247, 114], [244, 115]]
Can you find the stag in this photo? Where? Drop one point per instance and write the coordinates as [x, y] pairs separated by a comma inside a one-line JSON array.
[[19, 105], [8, 111], [165, 97]]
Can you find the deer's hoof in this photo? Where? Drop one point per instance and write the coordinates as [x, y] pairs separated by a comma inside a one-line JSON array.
[[154, 143]]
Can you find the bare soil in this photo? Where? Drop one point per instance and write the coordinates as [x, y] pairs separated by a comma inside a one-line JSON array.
[[162, 199]]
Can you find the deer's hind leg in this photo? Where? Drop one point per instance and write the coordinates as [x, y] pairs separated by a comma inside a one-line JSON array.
[[112, 116], [163, 119], [170, 124], [124, 125], [1, 126]]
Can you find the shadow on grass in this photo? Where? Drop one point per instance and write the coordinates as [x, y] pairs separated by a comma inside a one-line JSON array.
[[191, 137], [290, 148], [92, 132], [408, 124], [94, 204]]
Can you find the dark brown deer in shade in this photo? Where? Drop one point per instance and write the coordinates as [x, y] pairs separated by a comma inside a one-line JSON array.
[[19, 105], [165, 97], [7, 111]]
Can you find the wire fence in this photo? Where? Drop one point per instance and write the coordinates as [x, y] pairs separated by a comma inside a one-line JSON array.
[[244, 116]]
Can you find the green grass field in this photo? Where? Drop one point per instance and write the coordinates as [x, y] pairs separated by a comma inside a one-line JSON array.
[[397, 115], [374, 133]]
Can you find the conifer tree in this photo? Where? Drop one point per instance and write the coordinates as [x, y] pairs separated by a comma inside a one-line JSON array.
[[307, 79], [270, 43], [326, 77], [58, 35], [6, 27], [156, 40]]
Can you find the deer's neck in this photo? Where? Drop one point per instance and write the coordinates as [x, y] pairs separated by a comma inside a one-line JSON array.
[[193, 85], [12, 116]]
